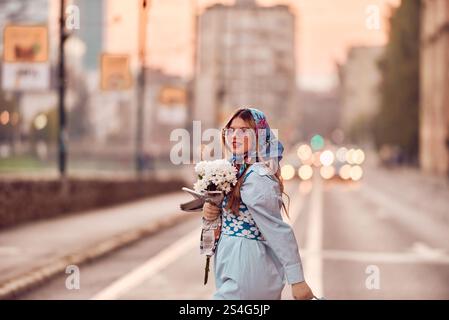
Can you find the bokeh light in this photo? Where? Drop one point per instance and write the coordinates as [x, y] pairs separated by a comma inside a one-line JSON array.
[[327, 158], [349, 156], [317, 142], [287, 172], [341, 154], [304, 153], [345, 172], [327, 172], [40, 122], [305, 172], [356, 173], [358, 156], [4, 117]]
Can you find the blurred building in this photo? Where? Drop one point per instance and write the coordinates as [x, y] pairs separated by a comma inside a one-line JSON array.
[[21, 12], [166, 110], [320, 113], [92, 28], [359, 85], [30, 103], [434, 113], [112, 117], [245, 57], [121, 27], [113, 114]]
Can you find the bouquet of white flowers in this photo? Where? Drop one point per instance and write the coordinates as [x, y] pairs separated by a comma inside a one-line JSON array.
[[218, 175], [215, 179]]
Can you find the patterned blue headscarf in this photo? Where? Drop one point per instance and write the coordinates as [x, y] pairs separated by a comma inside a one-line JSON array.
[[270, 148]]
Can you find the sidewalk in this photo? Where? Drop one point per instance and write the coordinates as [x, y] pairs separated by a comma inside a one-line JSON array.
[[36, 251]]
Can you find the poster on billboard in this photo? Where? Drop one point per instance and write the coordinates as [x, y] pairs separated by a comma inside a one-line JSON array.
[[172, 105]]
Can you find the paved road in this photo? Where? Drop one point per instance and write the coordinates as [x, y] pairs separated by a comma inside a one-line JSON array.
[[385, 237]]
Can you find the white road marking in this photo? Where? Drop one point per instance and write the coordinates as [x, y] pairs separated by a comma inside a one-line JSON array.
[[313, 264], [294, 212], [150, 267], [10, 251], [436, 256], [426, 251]]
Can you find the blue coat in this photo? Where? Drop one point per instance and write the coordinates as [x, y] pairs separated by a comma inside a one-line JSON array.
[[257, 253]]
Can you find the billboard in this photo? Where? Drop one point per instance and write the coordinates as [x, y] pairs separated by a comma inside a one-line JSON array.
[[25, 44], [25, 58], [25, 76], [172, 105], [115, 72]]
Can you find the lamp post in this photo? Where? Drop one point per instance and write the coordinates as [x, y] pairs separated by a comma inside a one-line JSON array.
[[62, 133], [143, 22]]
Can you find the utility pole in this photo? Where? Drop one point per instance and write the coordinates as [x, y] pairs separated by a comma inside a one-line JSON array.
[[192, 92], [143, 23], [62, 133]]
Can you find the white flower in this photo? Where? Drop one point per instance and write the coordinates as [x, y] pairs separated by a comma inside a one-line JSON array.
[[236, 225], [246, 233], [255, 230], [240, 217], [200, 168]]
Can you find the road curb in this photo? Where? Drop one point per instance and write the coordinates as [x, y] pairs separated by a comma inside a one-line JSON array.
[[14, 287]]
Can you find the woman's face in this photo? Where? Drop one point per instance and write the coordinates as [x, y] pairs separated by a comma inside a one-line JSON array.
[[240, 136]]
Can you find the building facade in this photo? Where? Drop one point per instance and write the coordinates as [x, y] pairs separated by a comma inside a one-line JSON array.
[[359, 85], [434, 82], [245, 57]]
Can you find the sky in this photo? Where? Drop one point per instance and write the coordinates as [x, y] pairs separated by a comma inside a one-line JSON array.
[[325, 31]]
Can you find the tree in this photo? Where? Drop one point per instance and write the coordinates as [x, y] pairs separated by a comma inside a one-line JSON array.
[[9, 105], [79, 126], [397, 123], [49, 133]]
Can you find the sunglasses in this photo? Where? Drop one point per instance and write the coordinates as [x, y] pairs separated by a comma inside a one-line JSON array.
[[239, 132]]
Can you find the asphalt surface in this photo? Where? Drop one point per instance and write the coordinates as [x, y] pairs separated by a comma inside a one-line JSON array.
[[384, 237]]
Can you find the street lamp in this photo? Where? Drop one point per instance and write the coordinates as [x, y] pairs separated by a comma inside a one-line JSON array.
[[143, 19], [62, 134]]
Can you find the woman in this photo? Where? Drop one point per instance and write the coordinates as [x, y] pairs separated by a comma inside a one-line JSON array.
[[257, 252]]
